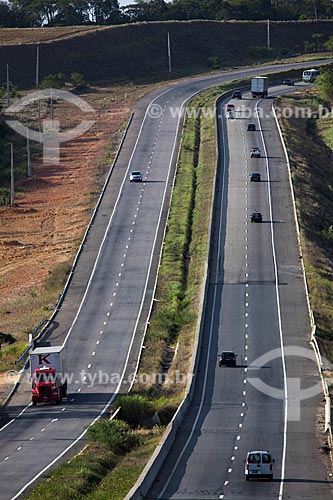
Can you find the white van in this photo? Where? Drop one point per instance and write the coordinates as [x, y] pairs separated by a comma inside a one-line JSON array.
[[309, 75], [259, 464]]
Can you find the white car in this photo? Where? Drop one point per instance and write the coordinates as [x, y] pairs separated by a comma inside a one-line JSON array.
[[255, 153], [136, 177], [259, 464]]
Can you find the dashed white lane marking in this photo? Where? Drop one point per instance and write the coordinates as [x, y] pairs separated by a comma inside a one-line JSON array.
[[244, 393], [246, 325], [111, 304], [89, 366], [124, 255], [31, 439], [242, 414], [97, 342], [229, 470], [108, 313], [42, 430], [238, 438], [245, 359], [122, 265], [246, 347], [93, 353], [101, 331], [19, 448], [246, 315], [246, 284], [117, 284], [133, 223], [244, 381], [104, 323], [114, 293], [243, 404], [119, 274], [233, 458], [6, 458], [226, 483], [126, 246]]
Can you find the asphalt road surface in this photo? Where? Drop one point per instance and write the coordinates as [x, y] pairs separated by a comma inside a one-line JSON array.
[[256, 307], [104, 311]]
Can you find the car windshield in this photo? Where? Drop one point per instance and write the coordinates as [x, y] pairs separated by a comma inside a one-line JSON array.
[[136, 173]]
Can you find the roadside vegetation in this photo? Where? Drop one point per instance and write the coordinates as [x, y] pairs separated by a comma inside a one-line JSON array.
[[309, 142]]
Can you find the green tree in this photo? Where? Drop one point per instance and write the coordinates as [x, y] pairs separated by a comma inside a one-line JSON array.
[[324, 84], [329, 44]]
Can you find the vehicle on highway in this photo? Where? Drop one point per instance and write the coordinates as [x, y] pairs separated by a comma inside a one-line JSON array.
[[256, 217], [259, 464], [236, 94], [309, 75], [255, 177], [289, 82], [227, 358], [47, 370], [136, 176], [255, 153], [230, 107], [259, 86], [251, 127]]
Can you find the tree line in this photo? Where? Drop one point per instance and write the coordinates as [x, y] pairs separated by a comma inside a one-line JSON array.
[[37, 13]]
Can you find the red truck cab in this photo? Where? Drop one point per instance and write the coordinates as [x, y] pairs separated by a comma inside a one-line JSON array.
[[45, 387]]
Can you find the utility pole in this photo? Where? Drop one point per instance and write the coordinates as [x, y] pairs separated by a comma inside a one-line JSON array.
[[169, 52], [8, 91], [28, 155], [12, 196], [38, 102], [268, 36]]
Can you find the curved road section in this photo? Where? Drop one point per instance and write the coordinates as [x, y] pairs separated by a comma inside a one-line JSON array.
[[256, 307], [104, 311]]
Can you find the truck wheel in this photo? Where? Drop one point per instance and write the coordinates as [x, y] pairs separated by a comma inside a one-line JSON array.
[[270, 477], [247, 478], [34, 403]]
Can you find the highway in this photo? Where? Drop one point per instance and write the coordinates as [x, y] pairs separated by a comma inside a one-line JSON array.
[[103, 315], [256, 305]]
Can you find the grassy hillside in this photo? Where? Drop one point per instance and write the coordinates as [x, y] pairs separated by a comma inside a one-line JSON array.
[[138, 52]]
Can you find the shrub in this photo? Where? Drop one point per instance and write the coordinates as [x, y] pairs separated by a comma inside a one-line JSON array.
[[135, 409], [115, 434]]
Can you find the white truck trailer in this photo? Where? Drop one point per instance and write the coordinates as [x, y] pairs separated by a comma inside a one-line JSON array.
[[259, 86]]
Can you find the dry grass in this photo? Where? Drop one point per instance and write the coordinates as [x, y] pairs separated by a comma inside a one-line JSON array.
[[308, 142]]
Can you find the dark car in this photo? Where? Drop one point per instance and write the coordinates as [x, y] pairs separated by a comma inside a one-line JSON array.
[[251, 127], [227, 358], [236, 94], [255, 177], [256, 217], [288, 81]]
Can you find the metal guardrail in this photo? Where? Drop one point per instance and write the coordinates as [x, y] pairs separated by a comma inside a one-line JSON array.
[[32, 337]]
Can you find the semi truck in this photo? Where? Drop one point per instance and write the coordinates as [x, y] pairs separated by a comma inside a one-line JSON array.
[[47, 371], [259, 86]]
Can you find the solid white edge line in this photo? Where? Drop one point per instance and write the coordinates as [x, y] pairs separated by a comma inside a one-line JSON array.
[[284, 450], [210, 335]]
